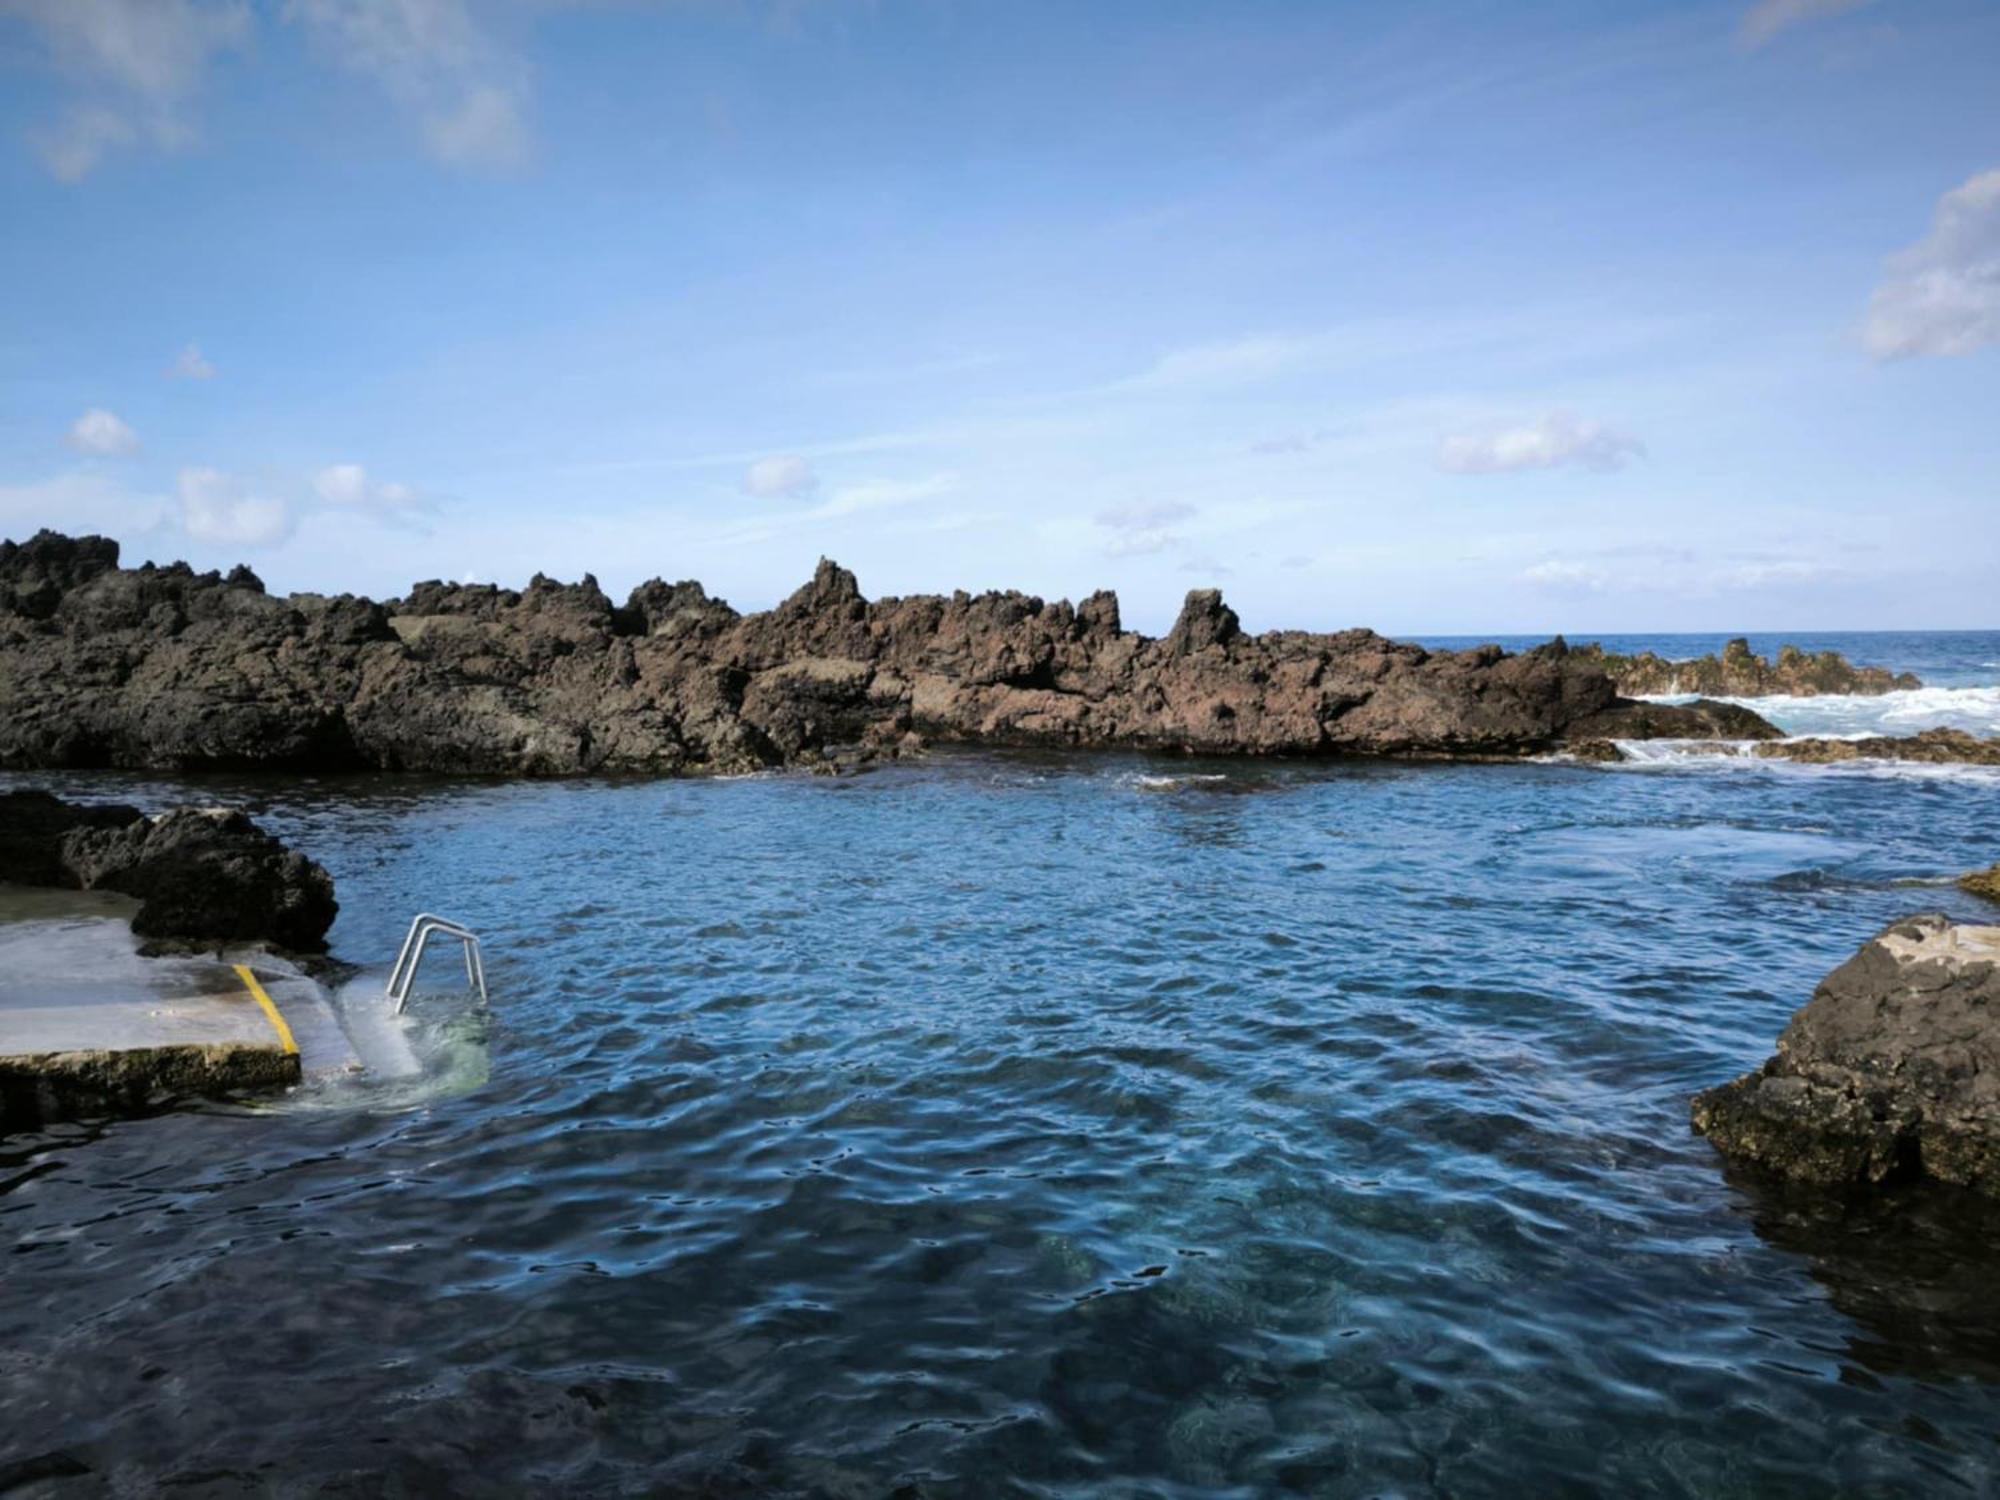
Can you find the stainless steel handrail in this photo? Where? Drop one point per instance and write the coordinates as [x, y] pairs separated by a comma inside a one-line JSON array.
[[411, 956]]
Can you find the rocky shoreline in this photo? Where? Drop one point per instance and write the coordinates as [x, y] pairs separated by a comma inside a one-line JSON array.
[[165, 668], [204, 876], [1740, 673]]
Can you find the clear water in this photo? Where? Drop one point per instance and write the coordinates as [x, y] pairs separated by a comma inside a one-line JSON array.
[[1035, 1126]]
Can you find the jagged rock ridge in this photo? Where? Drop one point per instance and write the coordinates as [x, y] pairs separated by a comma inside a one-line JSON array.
[[161, 667], [1740, 673]]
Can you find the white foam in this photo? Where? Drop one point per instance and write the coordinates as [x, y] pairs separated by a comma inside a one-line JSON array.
[[1147, 783], [1831, 715], [1724, 756]]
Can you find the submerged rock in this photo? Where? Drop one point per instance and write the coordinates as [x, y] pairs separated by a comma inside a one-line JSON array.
[[1890, 1072], [206, 875], [166, 668], [1740, 673], [1933, 746]]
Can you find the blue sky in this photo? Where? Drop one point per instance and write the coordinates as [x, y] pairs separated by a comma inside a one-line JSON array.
[[1486, 317]]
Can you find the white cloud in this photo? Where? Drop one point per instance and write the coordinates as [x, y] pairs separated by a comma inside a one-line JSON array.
[[135, 64], [190, 364], [430, 56], [1556, 440], [101, 432], [1767, 18], [218, 507], [1942, 295], [780, 477], [1142, 529], [348, 485], [1560, 577], [84, 500]]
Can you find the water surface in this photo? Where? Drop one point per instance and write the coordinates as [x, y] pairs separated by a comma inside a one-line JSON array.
[[1034, 1126]]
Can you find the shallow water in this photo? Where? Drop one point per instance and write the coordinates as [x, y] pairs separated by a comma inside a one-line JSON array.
[[1034, 1125]]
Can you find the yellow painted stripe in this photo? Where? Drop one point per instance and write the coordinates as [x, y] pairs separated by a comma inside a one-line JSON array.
[[270, 1011]]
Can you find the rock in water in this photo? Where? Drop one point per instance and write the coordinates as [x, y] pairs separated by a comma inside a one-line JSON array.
[[1740, 673], [1931, 747], [1983, 883], [1891, 1071], [205, 875], [166, 668]]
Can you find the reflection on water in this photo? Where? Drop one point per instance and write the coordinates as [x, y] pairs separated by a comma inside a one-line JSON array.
[[1048, 1125]]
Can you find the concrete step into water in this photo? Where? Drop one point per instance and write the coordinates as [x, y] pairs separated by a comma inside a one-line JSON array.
[[88, 1025]]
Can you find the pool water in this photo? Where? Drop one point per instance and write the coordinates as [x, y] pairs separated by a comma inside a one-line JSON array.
[[1034, 1125]]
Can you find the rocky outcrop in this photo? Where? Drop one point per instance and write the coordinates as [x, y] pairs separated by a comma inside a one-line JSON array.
[[166, 668], [1890, 1072], [1984, 883], [1740, 673], [202, 875], [1932, 747]]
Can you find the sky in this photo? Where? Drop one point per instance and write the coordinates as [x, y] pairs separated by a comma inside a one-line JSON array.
[[1491, 317]]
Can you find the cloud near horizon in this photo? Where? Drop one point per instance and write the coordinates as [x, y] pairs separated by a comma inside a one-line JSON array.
[[222, 508], [1559, 439], [1941, 296]]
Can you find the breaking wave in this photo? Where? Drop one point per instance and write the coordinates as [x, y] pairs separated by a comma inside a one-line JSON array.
[[1975, 709]]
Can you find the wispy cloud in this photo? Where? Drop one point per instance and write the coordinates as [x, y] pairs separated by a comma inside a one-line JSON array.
[[190, 364], [1557, 440], [467, 94], [134, 64], [1942, 295], [1767, 19], [350, 487], [102, 433], [1141, 529]]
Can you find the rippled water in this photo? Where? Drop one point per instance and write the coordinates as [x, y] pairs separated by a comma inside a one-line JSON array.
[[1024, 1125]]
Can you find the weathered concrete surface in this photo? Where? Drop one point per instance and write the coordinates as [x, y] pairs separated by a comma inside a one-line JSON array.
[[169, 669], [1891, 1071], [90, 1026]]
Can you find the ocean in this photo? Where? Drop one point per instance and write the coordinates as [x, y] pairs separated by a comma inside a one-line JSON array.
[[1054, 1125]]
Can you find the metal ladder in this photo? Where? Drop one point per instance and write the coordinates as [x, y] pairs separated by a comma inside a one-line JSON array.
[[411, 957]]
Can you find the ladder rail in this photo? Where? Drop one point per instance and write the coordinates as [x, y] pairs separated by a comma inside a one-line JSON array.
[[410, 957]]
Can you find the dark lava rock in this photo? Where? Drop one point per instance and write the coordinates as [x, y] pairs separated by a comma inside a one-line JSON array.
[[1741, 673], [1700, 720], [165, 668], [1890, 1072], [1933, 747], [201, 874]]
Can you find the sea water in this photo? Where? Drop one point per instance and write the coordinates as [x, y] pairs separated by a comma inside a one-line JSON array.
[[1044, 1125]]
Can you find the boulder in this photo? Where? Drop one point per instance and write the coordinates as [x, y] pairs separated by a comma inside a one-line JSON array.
[[202, 875], [1982, 883], [1890, 1072]]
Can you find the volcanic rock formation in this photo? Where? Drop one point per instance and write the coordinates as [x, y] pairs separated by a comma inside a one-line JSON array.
[[161, 667], [1891, 1071], [1741, 673], [203, 875], [1932, 747]]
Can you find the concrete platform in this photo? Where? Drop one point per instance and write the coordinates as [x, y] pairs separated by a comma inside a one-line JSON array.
[[89, 1026]]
